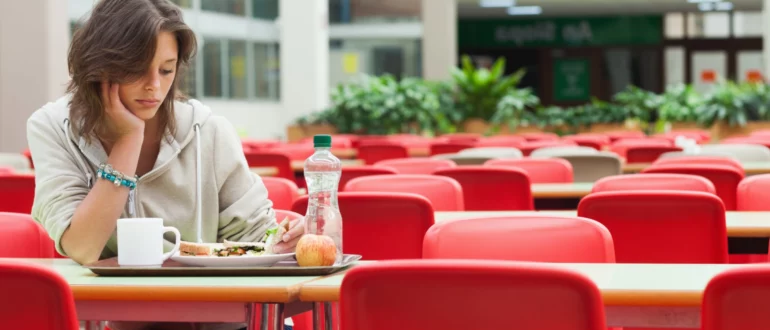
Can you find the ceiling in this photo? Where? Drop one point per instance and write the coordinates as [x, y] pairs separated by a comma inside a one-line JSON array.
[[470, 8]]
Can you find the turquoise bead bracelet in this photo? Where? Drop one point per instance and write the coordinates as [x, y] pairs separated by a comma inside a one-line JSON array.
[[119, 179]]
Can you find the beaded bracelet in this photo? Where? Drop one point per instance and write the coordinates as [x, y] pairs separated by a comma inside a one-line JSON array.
[[119, 179]]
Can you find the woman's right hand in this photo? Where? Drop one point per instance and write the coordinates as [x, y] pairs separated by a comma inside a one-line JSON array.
[[121, 121]]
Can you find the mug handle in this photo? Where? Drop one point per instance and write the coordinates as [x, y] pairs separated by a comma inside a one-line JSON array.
[[166, 256]]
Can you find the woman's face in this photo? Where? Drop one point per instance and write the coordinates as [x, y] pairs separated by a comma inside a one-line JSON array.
[[144, 96]]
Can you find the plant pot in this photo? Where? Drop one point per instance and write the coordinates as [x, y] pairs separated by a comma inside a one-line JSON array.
[[681, 126], [478, 126], [295, 133], [722, 130], [614, 127]]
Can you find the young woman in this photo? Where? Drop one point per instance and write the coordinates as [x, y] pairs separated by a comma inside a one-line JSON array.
[[122, 111]]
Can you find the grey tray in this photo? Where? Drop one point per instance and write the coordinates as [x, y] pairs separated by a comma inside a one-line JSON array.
[[110, 267]]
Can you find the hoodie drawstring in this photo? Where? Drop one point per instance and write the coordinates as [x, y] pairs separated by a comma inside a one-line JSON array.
[[198, 197], [75, 152]]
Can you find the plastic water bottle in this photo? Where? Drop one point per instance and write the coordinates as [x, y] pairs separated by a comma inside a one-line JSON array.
[[322, 175]]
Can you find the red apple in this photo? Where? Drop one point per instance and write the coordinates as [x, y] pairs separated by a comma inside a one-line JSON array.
[[316, 251]]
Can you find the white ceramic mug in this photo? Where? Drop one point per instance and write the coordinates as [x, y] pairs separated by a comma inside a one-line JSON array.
[[140, 242]]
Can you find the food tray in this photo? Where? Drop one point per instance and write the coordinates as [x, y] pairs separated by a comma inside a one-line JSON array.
[[110, 267]]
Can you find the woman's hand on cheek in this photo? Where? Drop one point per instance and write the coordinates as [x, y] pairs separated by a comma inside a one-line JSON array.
[[290, 238], [120, 120]]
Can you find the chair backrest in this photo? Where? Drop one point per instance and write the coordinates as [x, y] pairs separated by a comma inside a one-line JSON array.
[[23, 237], [352, 172], [618, 135], [754, 193], [589, 168], [701, 153], [661, 226], [510, 141], [707, 160], [757, 140], [18, 162], [540, 238], [373, 222], [462, 137], [460, 159], [488, 188], [494, 152], [647, 154], [528, 147], [658, 181], [742, 152], [547, 298], [35, 297], [438, 148], [373, 152], [724, 177], [736, 299], [416, 165], [596, 141], [17, 192], [299, 151], [561, 150], [539, 136], [282, 192], [445, 194], [258, 145], [541, 170], [283, 214], [279, 160]]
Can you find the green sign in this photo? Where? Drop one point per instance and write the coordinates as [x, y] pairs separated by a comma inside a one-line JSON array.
[[561, 32], [571, 80]]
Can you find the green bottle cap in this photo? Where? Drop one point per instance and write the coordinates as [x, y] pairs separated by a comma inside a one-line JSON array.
[[322, 141]]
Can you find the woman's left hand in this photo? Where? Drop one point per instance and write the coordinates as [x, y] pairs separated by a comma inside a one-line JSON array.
[[290, 238]]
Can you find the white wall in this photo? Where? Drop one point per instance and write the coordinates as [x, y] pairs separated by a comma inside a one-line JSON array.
[[439, 44]]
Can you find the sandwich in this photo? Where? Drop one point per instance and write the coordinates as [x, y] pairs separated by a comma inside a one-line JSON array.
[[236, 249]]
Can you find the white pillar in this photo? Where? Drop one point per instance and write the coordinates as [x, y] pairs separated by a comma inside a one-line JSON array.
[[34, 36], [304, 30], [766, 38], [439, 38]]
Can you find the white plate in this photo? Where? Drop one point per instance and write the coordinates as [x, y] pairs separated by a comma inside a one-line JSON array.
[[265, 260]]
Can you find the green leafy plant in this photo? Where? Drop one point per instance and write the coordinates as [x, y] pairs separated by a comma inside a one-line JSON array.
[[757, 100], [727, 102], [679, 103], [480, 90], [513, 107], [638, 104]]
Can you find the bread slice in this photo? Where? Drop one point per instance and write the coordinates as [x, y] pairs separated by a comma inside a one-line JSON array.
[[196, 249]]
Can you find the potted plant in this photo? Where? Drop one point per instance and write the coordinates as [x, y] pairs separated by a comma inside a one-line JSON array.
[[725, 110], [630, 110], [677, 108]]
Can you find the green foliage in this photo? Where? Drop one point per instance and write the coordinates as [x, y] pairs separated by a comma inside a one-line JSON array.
[[727, 103], [678, 104], [480, 91]]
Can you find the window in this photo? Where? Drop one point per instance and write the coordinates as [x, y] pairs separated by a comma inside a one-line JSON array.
[[267, 71], [374, 11], [747, 24], [674, 25], [183, 3], [235, 7], [237, 50], [212, 68], [708, 25], [264, 9], [348, 58], [186, 83]]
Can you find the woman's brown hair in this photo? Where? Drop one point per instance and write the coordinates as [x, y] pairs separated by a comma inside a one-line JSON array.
[[118, 43]]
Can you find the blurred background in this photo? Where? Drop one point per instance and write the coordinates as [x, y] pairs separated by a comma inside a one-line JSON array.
[[271, 66]]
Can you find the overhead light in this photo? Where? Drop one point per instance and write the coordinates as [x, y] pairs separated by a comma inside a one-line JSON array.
[[497, 3], [706, 6], [525, 10], [725, 6]]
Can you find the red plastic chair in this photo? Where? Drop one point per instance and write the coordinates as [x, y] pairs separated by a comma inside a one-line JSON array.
[[294, 151], [438, 148], [373, 222], [352, 172], [488, 188], [706, 160], [445, 194], [617, 135], [6, 170], [373, 152], [279, 160], [417, 165], [646, 154], [754, 193], [621, 146], [424, 294], [596, 141], [17, 192], [540, 238], [281, 191], [259, 145], [737, 299], [511, 141], [758, 140], [539, 136], [540, 170], [462, 137], [35, 297], [699, 135], [661, 226], [528, 147], [662, 181], [27, 153], [725, 178], [22, 237]]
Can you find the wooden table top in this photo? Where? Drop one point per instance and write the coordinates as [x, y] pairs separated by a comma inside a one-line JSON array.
[[751, 168], [620, 284], [88, 286], [739, 224], [561, 190]]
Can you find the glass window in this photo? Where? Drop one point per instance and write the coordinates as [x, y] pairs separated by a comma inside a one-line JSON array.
[[235, 7], [187, 81], [363, 11], [183, 3], [674, 25], [708, 25], [747, 24], [267, 71], [212, 68], [264, 9], [237, 50], [349, 58]]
